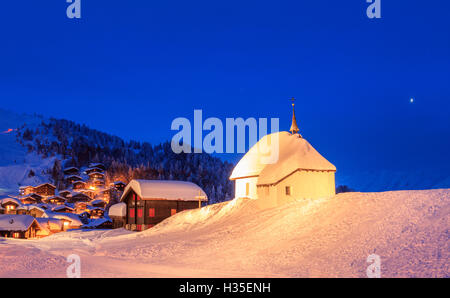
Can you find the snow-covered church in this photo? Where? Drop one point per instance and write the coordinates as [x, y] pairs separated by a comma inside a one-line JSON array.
[[294, 170]]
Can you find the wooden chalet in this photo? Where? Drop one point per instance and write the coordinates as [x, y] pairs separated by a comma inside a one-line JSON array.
[[2, 210], [72, 178], [63, 209], [80, 207], [151, 201], [97, 165], [96, 212], [119, 185], [71, 171], [54, 225], [29, 200], [88, 192], [10, 205], [96, 175], [65, 193], [98, 203], [93, 170], [56, 200], [26, 190], [19, 226], [76, 185], [45, 190], [98, 183], [78, 197], [35, 211]]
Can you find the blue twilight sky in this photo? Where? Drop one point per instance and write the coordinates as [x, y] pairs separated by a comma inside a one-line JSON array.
[[130, 67]]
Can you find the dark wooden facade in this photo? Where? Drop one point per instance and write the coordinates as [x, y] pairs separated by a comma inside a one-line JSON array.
[[71, 171], [145, 213], [29, 233], [45, 189]]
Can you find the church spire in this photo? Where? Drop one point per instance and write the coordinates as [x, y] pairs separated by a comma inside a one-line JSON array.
[[294, 128]]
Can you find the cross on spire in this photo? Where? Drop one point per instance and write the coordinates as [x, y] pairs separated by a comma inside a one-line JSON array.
[[294, 128]]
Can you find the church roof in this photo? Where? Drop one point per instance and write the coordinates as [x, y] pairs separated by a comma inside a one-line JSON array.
[[294, 153]]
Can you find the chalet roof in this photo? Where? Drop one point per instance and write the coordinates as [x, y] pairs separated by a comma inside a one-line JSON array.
[[119, 182], [64, 191], [74, 176], [13, 222], [165, 190], [50, 223], [96, 173], [97, 202], [73, 218], [70, 169], [10, 200], [94, 170], [79, 181], [62, 207], [96, 222], [25, 186], [49, 184], [291, 152]]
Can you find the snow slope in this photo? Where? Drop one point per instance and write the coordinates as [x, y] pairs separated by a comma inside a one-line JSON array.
[[15, 162], [333, 237]]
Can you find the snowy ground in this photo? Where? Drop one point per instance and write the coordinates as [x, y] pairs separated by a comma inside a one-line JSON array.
[[409, 230]]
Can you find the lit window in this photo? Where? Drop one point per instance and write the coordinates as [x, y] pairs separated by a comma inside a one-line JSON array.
[[247, 189], [288, 190], [16, 235], [173, 211], [151, 212], [132, 212], [140, 212]]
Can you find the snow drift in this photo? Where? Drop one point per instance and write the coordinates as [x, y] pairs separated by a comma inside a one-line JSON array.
[[333, 237]]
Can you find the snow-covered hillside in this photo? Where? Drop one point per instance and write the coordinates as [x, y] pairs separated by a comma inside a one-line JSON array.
[[409, 230], [15, 162]]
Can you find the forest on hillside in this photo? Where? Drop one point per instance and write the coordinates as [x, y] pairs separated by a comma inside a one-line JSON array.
[[78, 145]]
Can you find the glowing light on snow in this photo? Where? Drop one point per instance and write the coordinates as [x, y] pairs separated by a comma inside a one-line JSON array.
[[9, 130], [411, 100]]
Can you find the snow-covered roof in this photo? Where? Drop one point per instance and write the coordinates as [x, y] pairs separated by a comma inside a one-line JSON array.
[[97, 202], [73, 218], [165, 190], [10, 200], [294, 153], [70, 168], [119, 210], [119, 182], [62, 207], [13, 222], [74, 176], [50, 223], [96, 222], [56, 197], [49, 184]]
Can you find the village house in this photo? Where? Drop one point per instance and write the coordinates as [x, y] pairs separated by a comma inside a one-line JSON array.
[[72, 178], [26, 190], [54, 225], [97, 165], [56, 200], [65, 193], [71, 171], [10, 205], [151, 201], [96, 212], [93, 170], [299, 171], [119, 185], [35, 211], [45, 190], [29, 200], [78, 197], [77, 185], [63, 209], [19, 226]]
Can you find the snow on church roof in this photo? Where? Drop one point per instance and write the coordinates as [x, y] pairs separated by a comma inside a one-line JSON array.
[[294, 152], [13, 222], [165, 190]]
